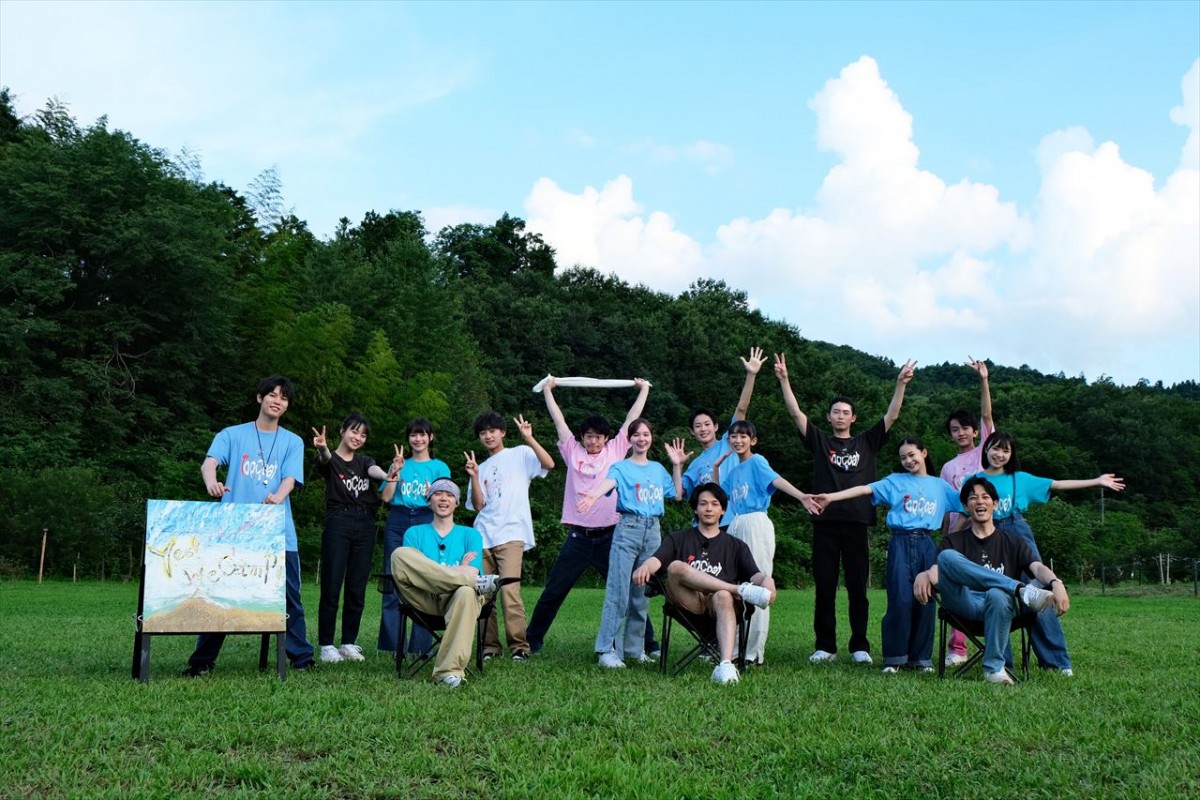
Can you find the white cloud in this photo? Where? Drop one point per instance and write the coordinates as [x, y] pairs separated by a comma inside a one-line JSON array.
[[889, 258]]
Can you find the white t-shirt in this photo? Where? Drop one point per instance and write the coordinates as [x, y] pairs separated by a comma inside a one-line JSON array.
[[505, 478]]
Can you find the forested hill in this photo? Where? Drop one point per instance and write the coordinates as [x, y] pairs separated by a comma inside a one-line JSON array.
[[141, 305]]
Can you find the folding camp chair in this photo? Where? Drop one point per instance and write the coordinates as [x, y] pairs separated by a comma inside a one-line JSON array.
[[703, 630], [973, 630], [436, 625]]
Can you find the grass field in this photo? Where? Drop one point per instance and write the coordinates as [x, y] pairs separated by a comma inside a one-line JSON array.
[[73, 723]]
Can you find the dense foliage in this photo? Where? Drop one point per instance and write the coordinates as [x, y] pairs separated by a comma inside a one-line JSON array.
[[139, 305]]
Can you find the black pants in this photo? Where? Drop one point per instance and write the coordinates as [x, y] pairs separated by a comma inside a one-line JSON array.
[[346, 548], [844, 544]]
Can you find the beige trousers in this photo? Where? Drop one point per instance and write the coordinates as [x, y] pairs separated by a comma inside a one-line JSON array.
[[437, 589]]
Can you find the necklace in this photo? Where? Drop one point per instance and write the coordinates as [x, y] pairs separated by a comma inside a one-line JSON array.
[[267, 458]]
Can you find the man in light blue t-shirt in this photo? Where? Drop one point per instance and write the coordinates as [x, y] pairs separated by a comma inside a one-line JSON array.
[[264, 463]]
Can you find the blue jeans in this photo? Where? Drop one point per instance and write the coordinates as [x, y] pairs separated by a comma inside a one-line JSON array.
[[907, 626], [295, 643], [582, 548], [391, 625], [975, 592], [634, 540], [1047, 636]]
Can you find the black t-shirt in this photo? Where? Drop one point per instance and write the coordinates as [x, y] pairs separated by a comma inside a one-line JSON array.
[[843, 464], [346, 482], [724, 557], [1000, 552]]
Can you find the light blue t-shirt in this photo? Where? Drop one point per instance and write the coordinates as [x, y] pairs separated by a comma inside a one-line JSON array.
[[700, 470], [916, 502], [749, 485], [258, 462], [641, 488], [415, 477], [1026, 489], [450, 549]]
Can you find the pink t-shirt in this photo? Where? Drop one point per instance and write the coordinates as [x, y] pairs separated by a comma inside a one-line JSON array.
[[964, 465], [584, 471]]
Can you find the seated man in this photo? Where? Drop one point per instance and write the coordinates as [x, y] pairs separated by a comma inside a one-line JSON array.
[[977, 572], [438, 572], [704, 567]]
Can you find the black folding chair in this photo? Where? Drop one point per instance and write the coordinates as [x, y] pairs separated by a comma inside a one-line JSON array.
[[436, 625], [973, 630], [703, 630]]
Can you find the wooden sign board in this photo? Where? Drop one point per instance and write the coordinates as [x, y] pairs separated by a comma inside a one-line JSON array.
[[214, 568]]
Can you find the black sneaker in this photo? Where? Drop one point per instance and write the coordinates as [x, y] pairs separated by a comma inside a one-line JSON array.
[[197, 670], [521, 655]]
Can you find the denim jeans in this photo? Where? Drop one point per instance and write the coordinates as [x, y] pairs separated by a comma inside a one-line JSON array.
[[907, 626], [582, 548], [634, 540], [843, 543], [346, 548], [391, 625], [975, 592], [1047, 636], [295, 643]]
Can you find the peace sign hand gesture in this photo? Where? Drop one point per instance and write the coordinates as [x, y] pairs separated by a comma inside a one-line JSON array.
[[319, 441], [525, 427], [906, 372], [472, 468]]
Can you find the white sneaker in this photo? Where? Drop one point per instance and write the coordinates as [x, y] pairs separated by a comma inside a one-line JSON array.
[[330, 654], [861, 657], [1067, 673], [351, 652], [890, 670], [954, 659], [453, 681], [822, 657], [646, 658], [755, 595], [1037, 599], [926, 670], [486, 584], [1000, 677], [725, 672], [611, 660]]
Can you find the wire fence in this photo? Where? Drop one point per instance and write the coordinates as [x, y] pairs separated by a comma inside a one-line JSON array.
[[1161, 569]]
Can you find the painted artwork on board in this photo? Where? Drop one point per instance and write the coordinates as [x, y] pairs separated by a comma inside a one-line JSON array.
[[214, 567]]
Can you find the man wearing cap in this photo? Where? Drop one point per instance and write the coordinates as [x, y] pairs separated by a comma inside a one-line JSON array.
[[439, 571]]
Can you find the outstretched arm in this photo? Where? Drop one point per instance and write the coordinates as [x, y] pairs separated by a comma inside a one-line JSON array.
[[789, 399], [752, 364], [782, 484], [589, 498], [1108, 481], [893, 411], [985, 394], [639, 403], [823, 501], [560, 423]]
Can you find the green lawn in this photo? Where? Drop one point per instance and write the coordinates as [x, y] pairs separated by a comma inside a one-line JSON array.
[[73, 724]]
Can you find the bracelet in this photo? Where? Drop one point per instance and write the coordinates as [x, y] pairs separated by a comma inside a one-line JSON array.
[[1053, 581]]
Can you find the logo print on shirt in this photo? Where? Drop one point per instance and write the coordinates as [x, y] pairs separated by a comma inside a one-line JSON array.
[[647, 494], [920, 506], [845, 461], [256, 469]]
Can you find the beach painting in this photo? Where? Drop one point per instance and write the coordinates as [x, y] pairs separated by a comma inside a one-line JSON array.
[[214, 568]]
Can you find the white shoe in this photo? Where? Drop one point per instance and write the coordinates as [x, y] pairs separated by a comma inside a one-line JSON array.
[[611, 660], [646, 658], [725, 672], [453, 681], [486, 584], [954, 659], [822, 657], [1037, 599], [861, 657], [1067, 673], [330, 654], [755, 595], [890, 670], [926, 670], [351, 652], [1000, 677]]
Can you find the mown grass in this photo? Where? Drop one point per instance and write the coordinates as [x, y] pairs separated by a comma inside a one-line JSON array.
[[73, 724]]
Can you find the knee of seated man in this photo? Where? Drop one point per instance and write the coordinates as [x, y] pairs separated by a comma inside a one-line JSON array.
[[677, 568], [720, 601], [999, 598]]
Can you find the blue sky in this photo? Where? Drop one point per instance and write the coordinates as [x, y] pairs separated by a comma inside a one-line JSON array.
[[1016, 181]]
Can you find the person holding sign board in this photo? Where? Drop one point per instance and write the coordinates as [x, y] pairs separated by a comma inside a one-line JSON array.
[[264, 463]]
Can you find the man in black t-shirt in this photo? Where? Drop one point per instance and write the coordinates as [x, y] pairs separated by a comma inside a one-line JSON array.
[[842, 461], [705, 568], [978, 574]]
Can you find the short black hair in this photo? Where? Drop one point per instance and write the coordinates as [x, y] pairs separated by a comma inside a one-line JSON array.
[[743, 426], [841, 398], [712, 488], [596, 424], [356, 420], [708, 412], [419, 425], [970, 483], [267, 385], [963, 417], [997, 439], [488, 420]]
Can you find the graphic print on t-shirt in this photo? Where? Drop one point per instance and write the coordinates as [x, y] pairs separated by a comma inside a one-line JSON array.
[[845, 461], [355, 484], [256, 469], [702, 564]]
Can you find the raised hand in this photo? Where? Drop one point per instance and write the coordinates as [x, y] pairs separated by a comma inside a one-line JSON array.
[[550, 384], [526, 428], [781, 366], [319, 441], [979, 367], [398, 461], [471, 467], [640, 382], [906, 372], [754, 363], [1110, 481], [675, 451]]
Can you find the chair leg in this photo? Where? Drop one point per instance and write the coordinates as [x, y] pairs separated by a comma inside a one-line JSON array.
[[941, 662], [665, 646]]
